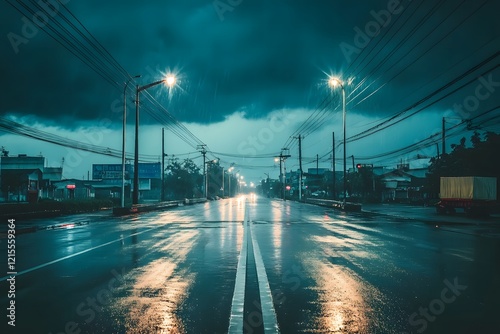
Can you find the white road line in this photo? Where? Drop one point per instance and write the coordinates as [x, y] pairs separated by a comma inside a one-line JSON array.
[[266, 298], [237, 305], [75, 254]]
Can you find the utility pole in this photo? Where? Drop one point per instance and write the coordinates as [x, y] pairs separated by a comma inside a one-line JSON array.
[[222, 182], [282, 158], [204, 153], [353, 166], [281, 176], [437, 148], [317, 164], [443, 136], [162, 197], [373, 180], [333, 164], [124, 135], [300, 168], [135, 193]]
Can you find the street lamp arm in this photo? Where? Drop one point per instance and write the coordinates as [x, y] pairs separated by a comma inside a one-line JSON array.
[[140, 89], [334, 81]]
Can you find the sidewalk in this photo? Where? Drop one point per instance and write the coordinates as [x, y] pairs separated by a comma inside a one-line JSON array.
[[428, 214]]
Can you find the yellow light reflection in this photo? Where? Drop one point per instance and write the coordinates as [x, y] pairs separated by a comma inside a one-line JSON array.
[[160, 288], [223, 213], [277, 238], [342, 299]]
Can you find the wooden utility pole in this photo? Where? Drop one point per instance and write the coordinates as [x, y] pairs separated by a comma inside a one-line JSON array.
[[282, 158], [443, 136], [333, 164], [300, 168], [162, 197], [204, 153], [317, 164]]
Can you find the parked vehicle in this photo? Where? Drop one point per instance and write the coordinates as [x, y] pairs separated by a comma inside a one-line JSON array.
[[475, 195]]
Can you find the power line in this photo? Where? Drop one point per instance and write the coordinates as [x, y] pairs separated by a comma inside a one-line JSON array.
[[87, 49]]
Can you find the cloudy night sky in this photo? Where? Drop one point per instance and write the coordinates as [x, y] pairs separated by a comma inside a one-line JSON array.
[[250, 74]]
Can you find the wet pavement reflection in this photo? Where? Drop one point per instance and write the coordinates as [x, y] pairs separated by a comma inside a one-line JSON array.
[[325, 271]]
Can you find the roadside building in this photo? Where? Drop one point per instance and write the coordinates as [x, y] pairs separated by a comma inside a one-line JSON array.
[[24, 178], [73, 189], [402, 184], [315, 179], [110, 180]]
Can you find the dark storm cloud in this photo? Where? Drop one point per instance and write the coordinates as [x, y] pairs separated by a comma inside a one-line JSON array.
[[263, 55]]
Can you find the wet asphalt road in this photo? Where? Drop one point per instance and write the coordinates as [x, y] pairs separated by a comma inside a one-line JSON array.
[[314, 271]]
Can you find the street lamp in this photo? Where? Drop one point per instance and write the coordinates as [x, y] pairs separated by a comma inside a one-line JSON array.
[[170, 82], [123, 137], [333, 82]]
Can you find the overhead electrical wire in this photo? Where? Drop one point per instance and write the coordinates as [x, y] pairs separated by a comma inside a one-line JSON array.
[[414, 61], [23, 130], [431, 140], [369, 48], [407, 36], [399, 117], [87, 49], [398, 46]]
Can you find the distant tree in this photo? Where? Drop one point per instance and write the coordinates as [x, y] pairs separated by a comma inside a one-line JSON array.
[[265, 185], [214, 179], [480, 159], [182, 179]]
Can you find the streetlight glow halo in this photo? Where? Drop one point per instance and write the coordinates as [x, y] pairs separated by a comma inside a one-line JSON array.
[[334, 82], [170, 80]]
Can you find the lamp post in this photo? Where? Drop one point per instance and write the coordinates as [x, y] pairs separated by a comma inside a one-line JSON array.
[[229, 174], [334, 82], [170, 81], [123, 137]]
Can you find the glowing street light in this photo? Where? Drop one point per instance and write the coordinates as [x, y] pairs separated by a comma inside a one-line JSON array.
[[170, 81], [333, 82]]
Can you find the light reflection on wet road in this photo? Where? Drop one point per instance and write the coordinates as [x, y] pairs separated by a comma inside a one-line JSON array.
[[175, 272]]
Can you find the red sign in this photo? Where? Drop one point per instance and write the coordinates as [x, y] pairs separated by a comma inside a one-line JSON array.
[[70, 186]]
